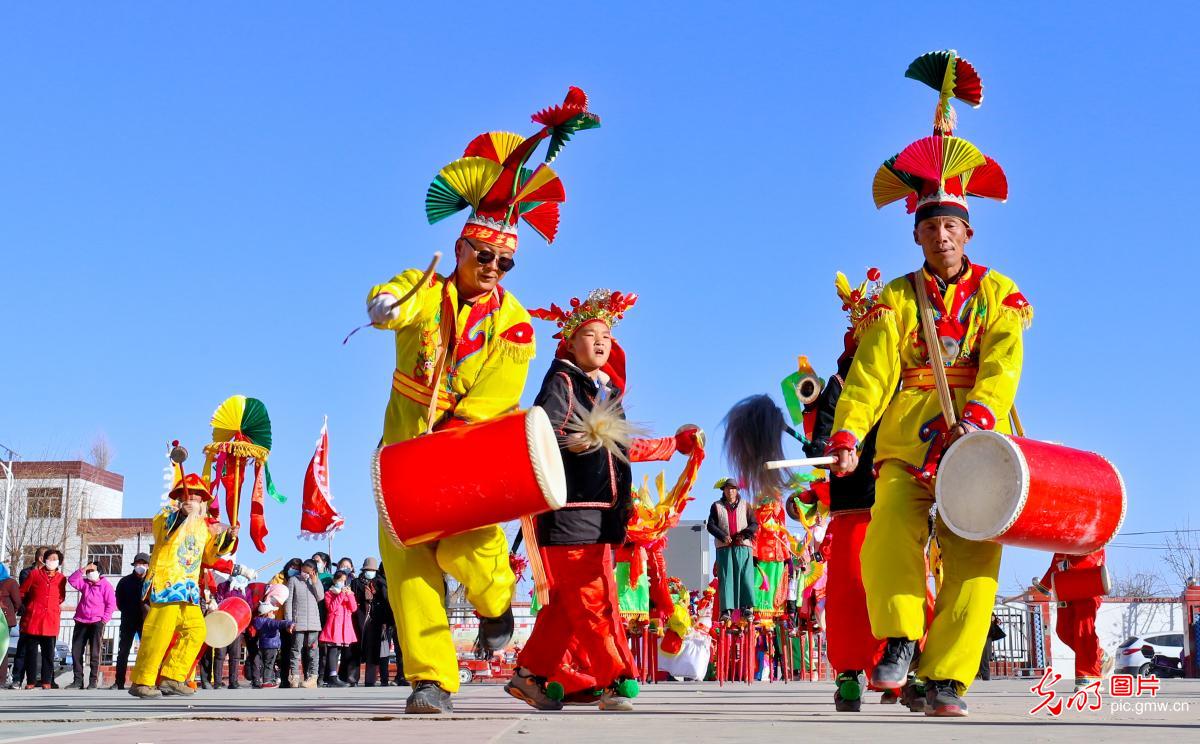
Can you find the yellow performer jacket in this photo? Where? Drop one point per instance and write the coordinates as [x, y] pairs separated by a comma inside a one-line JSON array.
[[181, 548], [487, 365], [980, 319]]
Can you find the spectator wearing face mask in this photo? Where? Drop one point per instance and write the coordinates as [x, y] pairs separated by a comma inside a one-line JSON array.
[[18, 668], [370, 622], [42, 593], [338, 633], [325, 574], [97, 603], [305, 597], [268, 634], [283, 658], [133, 611]]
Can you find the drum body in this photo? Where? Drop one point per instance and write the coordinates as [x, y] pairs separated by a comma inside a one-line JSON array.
[[460, 479], [1032, 494], [1081, 583], [223, 625]]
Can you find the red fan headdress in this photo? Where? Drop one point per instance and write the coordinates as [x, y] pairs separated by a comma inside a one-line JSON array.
[[935, 175], [492, 178]]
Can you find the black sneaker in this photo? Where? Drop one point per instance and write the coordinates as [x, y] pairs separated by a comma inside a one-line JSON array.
[[912, 695], [943, 699], [847, 698], [335, 682], [76, 685], [428, 698], [892, 670], [494, 634], [531, 690]]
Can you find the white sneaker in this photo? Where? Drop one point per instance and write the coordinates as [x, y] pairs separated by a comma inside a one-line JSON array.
[[1107, 669], [610, 700]]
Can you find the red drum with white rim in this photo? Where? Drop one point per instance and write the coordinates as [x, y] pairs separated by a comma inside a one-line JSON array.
[[1081, 583], [1032, 494], [456, 480], [223, 625]]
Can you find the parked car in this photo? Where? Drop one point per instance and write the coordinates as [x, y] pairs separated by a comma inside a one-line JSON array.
[[63, 660], [1132, 656]]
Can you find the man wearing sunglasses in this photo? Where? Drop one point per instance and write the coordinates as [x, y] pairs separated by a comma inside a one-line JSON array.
[[463, 347]]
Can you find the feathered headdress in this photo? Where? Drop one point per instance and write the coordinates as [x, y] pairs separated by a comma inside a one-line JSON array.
[[492, 178], [935, 175], [601, 305]]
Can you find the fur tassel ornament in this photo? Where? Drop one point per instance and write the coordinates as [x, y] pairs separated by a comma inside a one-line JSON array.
[[603, 427]]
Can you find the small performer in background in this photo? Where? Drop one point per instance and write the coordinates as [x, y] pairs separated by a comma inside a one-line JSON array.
[[1079, 583], [185, 542]]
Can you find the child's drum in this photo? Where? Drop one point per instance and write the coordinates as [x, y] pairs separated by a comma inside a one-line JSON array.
[[223, 625], [1028, 493], [460, 479]]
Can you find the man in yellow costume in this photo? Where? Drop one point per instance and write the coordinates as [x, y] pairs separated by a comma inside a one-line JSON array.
[[186, 541], [980, 317], [463, 347]]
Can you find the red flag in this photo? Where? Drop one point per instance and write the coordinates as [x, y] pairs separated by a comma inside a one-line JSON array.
[[317, 517]]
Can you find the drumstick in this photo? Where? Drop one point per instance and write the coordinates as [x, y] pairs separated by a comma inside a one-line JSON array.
[[803, 462], [1017, 427], [437, 256], [264, 568]]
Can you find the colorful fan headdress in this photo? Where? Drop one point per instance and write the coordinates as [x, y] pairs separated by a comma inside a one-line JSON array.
[[601, 305], [492, 178], [935, 175], [242, 433]]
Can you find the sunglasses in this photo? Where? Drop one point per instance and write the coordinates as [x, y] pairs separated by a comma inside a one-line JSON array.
[[485, 256]]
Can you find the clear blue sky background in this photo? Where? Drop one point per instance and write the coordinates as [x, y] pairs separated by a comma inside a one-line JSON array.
[[194, 201]]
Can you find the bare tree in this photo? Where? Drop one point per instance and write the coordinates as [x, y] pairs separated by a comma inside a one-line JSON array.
[[1182, 555], [101, 452]]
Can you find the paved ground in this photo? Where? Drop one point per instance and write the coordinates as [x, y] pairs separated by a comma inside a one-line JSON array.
[[674, 712]]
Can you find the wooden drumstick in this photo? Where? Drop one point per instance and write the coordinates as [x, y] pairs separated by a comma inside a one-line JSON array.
[[804, 462], [437, 256]]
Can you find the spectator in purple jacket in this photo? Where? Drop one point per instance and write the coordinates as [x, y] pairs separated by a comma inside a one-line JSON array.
[[97, 603]]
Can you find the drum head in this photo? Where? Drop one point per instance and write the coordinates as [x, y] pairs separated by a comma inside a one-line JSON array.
[[220, 629], [981, 486], [545, 457]]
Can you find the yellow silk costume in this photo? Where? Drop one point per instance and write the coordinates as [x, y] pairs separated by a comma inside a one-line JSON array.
[[484, 378], [173, 591], [980, 320]]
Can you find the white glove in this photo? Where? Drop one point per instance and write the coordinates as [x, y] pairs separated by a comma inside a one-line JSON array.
[[239, 582], [383, 309], [246, 571]]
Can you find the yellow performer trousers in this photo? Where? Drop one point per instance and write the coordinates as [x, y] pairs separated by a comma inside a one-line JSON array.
[[894, 575], [417, 592], [162, 622]]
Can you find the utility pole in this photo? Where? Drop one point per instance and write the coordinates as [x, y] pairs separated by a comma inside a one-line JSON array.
[[8, 487]]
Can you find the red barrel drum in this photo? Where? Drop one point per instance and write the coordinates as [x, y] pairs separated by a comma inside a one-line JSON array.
[[223, 625], [1081, 583], [1032, 494], [460, 479]]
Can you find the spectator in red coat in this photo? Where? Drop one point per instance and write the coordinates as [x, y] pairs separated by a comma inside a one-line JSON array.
[[43, 593], [338, 633]]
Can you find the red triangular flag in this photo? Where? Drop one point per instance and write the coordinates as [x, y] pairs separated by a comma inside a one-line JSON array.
[[317, 517]]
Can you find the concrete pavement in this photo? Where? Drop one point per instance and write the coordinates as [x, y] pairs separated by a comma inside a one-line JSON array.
[[669, 712]]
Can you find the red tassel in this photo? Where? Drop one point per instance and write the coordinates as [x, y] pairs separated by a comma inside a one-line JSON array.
[[258, 519]]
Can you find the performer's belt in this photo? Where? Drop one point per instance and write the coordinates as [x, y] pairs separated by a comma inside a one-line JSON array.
[[921, 378], [419, 392]]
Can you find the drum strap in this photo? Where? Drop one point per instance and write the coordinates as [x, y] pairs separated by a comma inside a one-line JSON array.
[[934, 343], [447, 330]]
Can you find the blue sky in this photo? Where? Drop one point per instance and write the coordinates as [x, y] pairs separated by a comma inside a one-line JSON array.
[[194, 201]]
